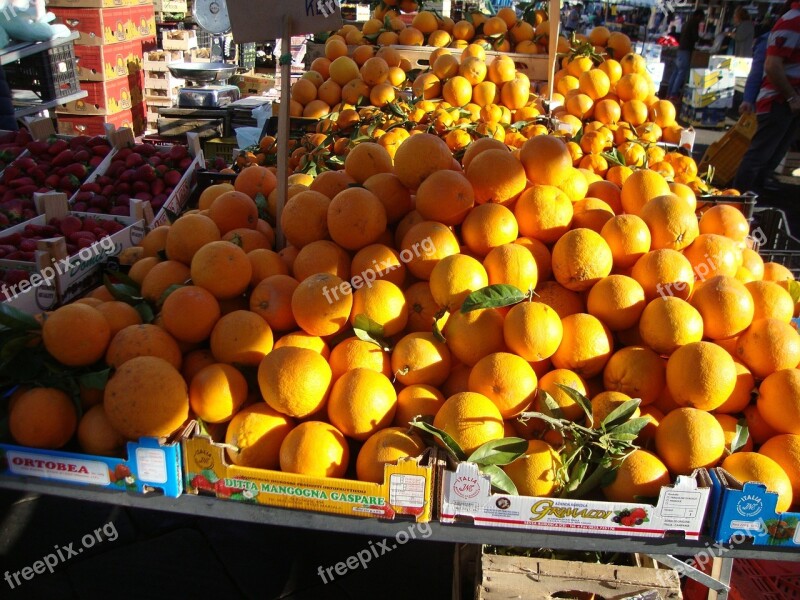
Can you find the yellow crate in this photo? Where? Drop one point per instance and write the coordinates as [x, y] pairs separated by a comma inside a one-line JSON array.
[[726, 153]]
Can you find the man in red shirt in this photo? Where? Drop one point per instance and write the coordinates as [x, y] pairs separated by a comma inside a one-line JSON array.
[[777, 105]]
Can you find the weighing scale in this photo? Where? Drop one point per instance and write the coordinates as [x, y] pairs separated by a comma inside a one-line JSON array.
[[208, 81]]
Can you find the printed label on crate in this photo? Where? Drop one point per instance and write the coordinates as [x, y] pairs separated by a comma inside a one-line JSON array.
[[74, 470], [151, 465], [406, 490]]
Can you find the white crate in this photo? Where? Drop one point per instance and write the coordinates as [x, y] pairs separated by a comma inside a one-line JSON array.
[[171, 6], [166, 93], [157, 80], [740, 65], [711, 80], [157, 60], [179, 39]]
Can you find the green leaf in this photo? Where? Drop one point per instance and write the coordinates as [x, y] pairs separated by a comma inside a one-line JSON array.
[[579, 399], [621, 414], [499, 452], [633, 426], [96, 380], [444, 437], [437, 333], [794, 290], [14, 319], [121, 277], [576, 476], [145, 311], [740, 437], [364, 336], [499, 479], [552, 406], [493, 296], [122, 292], [368, 330], [261, 203]]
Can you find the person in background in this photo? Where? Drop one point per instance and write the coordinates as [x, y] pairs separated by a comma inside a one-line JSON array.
[[743, 33], [777, 104], [690, 35], [573, 19], [756, 75], [7, 119]]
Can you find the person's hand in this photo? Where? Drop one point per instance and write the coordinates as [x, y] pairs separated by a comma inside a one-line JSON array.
[[746, 108], [794, 103]]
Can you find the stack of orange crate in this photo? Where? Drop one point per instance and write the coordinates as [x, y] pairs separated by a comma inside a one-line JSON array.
[[113, 36]]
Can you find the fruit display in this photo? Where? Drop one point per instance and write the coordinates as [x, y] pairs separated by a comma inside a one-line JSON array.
[[80, 232], [12, 144], [139, 171], [54, 164]]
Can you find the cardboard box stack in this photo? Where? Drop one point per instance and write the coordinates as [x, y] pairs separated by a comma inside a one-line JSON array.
[[160, 86], [113, 36], [738, 64], [707, 97]]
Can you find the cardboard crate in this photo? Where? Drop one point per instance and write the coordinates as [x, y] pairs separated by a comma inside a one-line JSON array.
[[740, 65], [255, 85], [704, 117], [466, 493], [143, 21], [157, 60], [162, 80], [170, 94], [499, 577], [696, 98], [711, 80], [407, 488], [747, 511], [86, 3], [106, 63], [97, 26], [151, 465], [171, 6], [160, 101], [80, 124], [726, 153], [74, 275], [179, 39], [106, 97]]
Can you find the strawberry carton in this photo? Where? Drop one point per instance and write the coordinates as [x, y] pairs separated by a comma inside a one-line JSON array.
[[162, 176], [407, 488]]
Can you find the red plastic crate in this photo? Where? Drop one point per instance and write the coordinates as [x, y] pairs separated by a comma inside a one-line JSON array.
[[765, 580]]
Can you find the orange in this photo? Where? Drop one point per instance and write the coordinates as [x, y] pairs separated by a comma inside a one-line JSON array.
[[163, 275], [664, 273], [143, 340], [43, 418], [254, 436], [462, 329], [146, 397], [776, 272], [532, 330], [254, 181], [725, 305], [231, 210], [195, 361], [536, 472], [779, 400], [394, 196], [241, 337], [361, 402], [511, 264], [422, 308], [729, 426], [356, 206], [784, 449], [752, 466], [740, 397], [155, 241], [367, 159], [190, 313], [454, 278], [417, 400], [541, 254], [628, 237], [222, 268], [142, 266], [481, 145], [565, 302], [385, 447], [753, 263], [76, 335], [322, 303], [271, 300], [574, 185], [507, 380], [632, 86], [382, 302], [586, 345], [217, 392], [420, 358], [689, 439], [641, 475], [210, 194], [331, 183], [322, 256], [727, 220], [188, 234], [546, 160], [294, 381], [249, 239], [315, 449], [701, 375], [419, 156], [770, 301], [97, 436], [488, 226], [119, 315], [668, 323], [425, 244], [550, 383], [381, 260], [711, 254], [354, 353], [617, 300], [581, 257], [604, 403], [662, 113], [618, 45], [304, 218], [544, 213], [446, 197], [671, 222], [471, 419], [300, 339], [636, 371], [641, 187], [496, 176]]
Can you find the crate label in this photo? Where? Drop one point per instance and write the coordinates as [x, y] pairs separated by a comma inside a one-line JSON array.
[[58, 467], [681, 504], [151, 464], [746, 525], [406, 490]]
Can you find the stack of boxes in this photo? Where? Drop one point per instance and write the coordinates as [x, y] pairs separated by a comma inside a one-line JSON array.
[[159, 84], [738, 64], [708, 97], [113, 36]]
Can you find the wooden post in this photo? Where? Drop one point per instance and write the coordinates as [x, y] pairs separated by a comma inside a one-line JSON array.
[[283, 128], [552, 58]]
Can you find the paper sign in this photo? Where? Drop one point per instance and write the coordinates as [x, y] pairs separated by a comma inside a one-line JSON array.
[[259, 21]]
